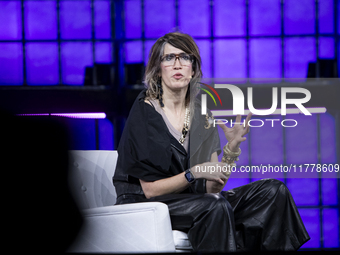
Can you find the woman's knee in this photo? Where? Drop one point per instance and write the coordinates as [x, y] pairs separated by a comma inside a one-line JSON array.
[[275, 186], [219, 202]]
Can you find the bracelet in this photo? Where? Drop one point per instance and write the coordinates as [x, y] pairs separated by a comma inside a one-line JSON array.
[[229, 160], [231, 153], [230, 156], [230, 166]]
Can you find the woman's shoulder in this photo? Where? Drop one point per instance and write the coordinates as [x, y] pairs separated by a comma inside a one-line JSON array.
[[143, 113], [143, 97], [140, 102], [147, 101]]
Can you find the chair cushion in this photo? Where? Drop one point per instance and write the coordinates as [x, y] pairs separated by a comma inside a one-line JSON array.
[[181, 240]]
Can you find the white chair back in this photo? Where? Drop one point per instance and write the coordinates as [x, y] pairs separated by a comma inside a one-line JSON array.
[[90, 177]]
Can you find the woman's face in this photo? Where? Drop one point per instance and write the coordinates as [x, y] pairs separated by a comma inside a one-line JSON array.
[[176, 76]]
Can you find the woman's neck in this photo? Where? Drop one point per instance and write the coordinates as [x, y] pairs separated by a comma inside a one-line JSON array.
[[174, 100]]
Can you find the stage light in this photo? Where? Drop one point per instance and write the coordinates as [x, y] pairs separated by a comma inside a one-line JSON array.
[[83, 115]]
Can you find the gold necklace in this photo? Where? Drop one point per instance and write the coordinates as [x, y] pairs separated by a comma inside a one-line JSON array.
[[185, 126]]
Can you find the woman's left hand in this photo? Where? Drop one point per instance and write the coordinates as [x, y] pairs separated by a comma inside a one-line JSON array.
[[235, 135]]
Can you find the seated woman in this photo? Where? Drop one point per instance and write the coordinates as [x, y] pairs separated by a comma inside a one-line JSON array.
[[156, 163]]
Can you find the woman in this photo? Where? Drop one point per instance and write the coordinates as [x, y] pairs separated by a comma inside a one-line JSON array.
[[156, 163]]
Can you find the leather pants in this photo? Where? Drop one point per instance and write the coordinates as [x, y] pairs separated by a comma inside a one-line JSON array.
[[261, 215]]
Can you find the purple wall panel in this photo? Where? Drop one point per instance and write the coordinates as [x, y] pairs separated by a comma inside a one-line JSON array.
[[75, 19], [302, 142], [102, 19], [75, 57], [105, 134], [310, 218], [299, 17], [264, 17], [230, 58], [328, 156], [133, 52], [11, 63], [265, 59], [205, 52], [326, 47], [327, 138], [338, 18], [147, 47], [10, 20], [133, 19], [40, 20], [259, 176], [235, 182], [194, 17], [329, 188], [330, 220], [159, 17], [42, 63], [298, 52], [326, 16], [305, 191], [103, 52], [229, 18]]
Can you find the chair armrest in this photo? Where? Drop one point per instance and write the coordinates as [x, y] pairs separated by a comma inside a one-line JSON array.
[[133, 228]]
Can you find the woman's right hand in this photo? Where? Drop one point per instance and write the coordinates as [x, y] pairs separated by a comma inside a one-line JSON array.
[[212, 171]]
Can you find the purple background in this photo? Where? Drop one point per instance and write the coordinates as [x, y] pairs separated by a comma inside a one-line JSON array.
[[266, 39]]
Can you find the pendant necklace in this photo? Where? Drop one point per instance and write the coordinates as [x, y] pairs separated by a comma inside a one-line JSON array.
[[185, 126]]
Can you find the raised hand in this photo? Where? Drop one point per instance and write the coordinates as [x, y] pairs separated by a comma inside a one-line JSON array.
[[235, 135]]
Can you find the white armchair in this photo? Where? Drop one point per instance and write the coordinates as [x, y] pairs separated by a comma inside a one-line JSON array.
[[129, 228]]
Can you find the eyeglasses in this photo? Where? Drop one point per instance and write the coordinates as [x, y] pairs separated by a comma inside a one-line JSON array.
[[184, 58]]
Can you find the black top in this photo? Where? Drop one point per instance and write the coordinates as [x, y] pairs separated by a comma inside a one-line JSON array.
[[148, 151]]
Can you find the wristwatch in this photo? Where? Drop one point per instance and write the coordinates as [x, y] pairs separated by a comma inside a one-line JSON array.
[[189, 176]]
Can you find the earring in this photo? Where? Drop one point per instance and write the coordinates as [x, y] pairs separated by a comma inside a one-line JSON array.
[[160, 93]]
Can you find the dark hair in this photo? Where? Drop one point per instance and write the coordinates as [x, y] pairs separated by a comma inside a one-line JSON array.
[[153, 69]]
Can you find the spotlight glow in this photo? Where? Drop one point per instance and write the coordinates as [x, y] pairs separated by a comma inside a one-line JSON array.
[[90, 115], [85, 115]]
